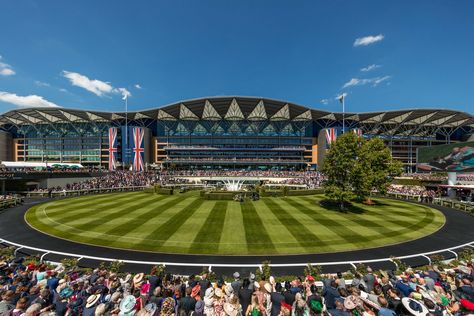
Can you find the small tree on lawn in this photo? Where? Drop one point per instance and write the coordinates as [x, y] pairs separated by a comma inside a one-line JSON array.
[[339, 167]]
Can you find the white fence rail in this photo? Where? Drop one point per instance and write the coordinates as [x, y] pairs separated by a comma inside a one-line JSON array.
[[232, 265]]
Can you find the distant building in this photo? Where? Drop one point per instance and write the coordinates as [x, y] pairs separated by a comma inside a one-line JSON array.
[[217, 132]]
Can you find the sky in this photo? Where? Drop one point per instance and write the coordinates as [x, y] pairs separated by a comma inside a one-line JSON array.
[[383, 55]]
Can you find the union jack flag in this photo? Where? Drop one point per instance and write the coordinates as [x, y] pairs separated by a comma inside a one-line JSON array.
[[138, 148], [331, 135], [357, 131], [112, 148]]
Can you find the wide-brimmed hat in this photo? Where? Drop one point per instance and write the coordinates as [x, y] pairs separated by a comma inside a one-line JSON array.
[[199, 308], [268, 287], [127, 305], [91, 300], [138, 279], [370, 303], [351, 302], [414, 307], [100, 310], [256, 285], [229, 290], [218, 292], [384, 273], [66, 292], [196, 290], [115, 297], [230, 309], [151, 308], [209, 293]]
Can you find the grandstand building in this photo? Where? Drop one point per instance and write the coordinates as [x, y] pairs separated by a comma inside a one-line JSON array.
[[216, 132]]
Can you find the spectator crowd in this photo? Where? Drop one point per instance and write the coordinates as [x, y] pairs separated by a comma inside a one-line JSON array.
[[38, 289]]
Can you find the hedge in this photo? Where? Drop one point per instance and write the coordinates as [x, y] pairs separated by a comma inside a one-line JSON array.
[[219, 195], [305, 192], [164, 191], [149, 190]]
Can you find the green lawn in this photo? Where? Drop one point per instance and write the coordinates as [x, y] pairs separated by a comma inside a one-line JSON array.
[[185, 223]]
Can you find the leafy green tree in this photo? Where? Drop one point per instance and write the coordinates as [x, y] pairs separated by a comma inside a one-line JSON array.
[[339, 167], [375, 168], [354, 167]]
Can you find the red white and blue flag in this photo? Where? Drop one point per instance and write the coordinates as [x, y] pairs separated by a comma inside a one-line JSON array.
[[331, 135], [138, 148], [357, 131], [112, 148]]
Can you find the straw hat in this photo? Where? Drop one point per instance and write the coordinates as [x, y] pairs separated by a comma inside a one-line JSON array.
[[230, 309], [91, 300], [351, 302], [218, 292], [100, 310], [138, 279]]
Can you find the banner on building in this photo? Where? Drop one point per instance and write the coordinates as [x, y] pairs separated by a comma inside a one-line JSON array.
[[138, 149], [112, 148]]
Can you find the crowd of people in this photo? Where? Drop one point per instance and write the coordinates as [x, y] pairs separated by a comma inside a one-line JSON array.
[[117, 179], [38, 289]]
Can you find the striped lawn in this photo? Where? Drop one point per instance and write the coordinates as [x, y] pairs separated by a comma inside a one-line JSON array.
[[185, 223]]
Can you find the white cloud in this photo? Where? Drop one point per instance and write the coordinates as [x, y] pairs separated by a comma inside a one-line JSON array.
[[379, 80], [42, 84], [361, 82], [370, 67], [95, 86], [137, 86], [63, 90], [367, 40], [124, 92], [324, 101], [26, 101], [6, 69], [98, 87]]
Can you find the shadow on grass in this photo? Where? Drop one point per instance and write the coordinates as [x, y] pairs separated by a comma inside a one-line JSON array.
[[334, 206]]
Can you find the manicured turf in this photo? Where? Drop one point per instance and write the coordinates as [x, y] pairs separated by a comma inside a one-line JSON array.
[[185, 223]]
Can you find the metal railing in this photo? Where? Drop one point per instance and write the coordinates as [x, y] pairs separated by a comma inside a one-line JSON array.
[[9, 203], [83, 192], [456, 204], [352, 263]]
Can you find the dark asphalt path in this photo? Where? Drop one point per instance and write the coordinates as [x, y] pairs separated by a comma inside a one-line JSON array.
[[457, 230]]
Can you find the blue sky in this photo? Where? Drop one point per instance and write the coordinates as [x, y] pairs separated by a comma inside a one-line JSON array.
[[83, 54]]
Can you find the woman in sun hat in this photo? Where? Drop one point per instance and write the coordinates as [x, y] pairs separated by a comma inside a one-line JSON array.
[[218, 304], [233, 307], [168, 307], [414, 307], [255, 309], [209, 302], [299, 307]]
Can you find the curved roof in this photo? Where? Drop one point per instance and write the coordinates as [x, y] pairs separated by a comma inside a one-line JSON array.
[[240, 108]]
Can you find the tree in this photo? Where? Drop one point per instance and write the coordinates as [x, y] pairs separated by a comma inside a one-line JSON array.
[[375, 168], [354, 167], [339, 168]]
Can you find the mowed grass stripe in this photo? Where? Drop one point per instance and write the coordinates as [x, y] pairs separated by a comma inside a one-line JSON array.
[[303, 235], [72, 213], [359, 222], [164, 231], [428, 218], [58, 205], [256, 235], [120, 210], [128, 226], [346, 233], [233, 242], [209, 236]]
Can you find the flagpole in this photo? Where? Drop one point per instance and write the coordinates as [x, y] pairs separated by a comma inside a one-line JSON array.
[[343, 115], [126, 129]]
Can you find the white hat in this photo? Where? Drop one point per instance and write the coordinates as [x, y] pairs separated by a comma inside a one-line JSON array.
[[218, 292], [209, 292], [100, 310], [268, 287], [91, 300], [229, 290], [414, 307], [236, 275]]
